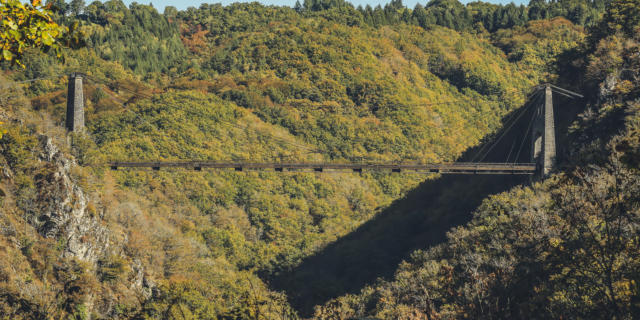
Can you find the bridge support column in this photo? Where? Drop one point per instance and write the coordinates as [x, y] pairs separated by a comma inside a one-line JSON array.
[[544, 136], [75, 103]]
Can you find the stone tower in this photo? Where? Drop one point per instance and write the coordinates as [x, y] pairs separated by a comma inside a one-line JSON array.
[[544, 136], [75, 103]]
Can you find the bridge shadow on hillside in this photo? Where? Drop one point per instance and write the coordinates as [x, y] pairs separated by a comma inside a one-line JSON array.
[[418, 221]]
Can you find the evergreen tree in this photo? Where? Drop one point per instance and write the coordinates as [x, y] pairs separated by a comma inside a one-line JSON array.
[[420, 15], [76, 7]]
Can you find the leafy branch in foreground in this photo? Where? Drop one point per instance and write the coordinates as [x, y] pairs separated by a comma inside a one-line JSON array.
[[31, 25]]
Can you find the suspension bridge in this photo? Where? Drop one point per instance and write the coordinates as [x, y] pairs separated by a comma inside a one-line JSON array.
[[541, 130]]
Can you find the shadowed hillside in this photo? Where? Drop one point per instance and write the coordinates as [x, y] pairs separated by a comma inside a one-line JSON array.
[[419, 220]]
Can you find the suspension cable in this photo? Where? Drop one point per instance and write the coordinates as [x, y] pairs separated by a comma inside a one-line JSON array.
[[509, 119], [504, 133], [513, 118], [120, 86], [224, 123], [15, 83], [510, 151], [526, 133], [112, 97]]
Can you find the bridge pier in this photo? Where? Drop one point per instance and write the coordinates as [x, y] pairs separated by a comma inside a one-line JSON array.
[[543, 139], [75, 103]]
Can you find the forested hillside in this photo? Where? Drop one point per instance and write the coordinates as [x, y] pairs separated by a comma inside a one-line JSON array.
[[562, 248], [323, 81]]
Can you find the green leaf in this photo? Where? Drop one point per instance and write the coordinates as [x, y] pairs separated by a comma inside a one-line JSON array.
[[7, 55], [46, 39], [15, 34]]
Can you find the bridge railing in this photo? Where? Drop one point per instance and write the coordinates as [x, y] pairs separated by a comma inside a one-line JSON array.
[[455, 167]]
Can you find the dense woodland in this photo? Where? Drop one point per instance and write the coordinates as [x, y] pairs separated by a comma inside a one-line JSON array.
[[322, 81]]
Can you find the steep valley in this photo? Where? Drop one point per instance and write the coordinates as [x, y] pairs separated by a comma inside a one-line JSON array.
[[322, 82]]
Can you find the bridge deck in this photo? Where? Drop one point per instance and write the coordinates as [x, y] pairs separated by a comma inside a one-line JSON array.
[[456, 167]]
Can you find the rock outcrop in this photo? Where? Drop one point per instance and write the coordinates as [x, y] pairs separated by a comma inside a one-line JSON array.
[[61, 208]]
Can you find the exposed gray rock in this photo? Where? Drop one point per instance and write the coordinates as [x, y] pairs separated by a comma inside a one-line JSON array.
[[61, 208], [140, 281], [6, 172], [607, 86]]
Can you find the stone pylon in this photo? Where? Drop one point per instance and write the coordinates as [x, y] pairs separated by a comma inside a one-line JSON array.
[[544, 136], [75, 103]]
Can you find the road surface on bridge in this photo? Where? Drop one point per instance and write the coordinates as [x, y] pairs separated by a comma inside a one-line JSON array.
[[451, 168]]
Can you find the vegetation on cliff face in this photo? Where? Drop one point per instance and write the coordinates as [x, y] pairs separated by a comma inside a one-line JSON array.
[[320, 82]]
